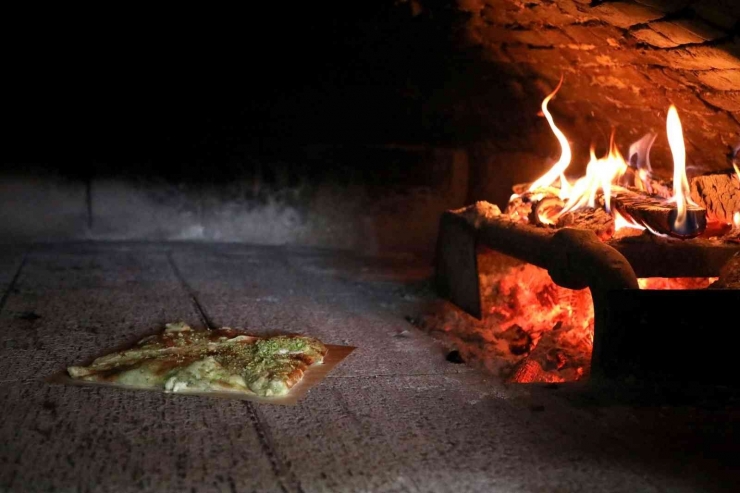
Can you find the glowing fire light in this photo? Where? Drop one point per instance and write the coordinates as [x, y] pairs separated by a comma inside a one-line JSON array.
[[681, 188], [600, 174], [558, 170], [620, 222], [639, 157], [605, 173]]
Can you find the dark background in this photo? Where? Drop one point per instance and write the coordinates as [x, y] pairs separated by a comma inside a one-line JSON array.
[[192, 92]]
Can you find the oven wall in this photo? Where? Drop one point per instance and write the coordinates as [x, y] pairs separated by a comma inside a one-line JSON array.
[[623, 63], [336, 127]]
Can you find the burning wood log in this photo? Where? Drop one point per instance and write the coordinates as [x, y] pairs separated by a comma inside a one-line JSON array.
[[545, 211], [719, 193], [729, 276], [596, 219], [657, 215], [653, 186], [655, 256]]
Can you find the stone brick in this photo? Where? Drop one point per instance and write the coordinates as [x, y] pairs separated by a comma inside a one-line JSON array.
[[580, 13], [472, 6], [701, 58], [723, 13], [667, 6], [720, 122], [499, 14], [665, 79], [625, 15], [723, 80], [547, 14], [597, 36], [688, 102], [686, 31], [505, 13], [648, 36], [728, 101], [495, 34], [682, 80], [633, 54], [541, 38]]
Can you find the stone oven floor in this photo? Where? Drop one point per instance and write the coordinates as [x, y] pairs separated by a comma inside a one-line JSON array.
[[394, 416]]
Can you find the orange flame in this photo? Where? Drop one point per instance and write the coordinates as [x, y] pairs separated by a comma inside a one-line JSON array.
[[621, 222], [600, 174], [681, 188], [639, 156], [558, 169], [605, 173]]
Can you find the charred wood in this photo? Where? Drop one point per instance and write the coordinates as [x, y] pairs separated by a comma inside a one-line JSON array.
[[545, 211], [718, 193], [654, 256], [657, 215], [649, 185], [595, 219], [729, 276]]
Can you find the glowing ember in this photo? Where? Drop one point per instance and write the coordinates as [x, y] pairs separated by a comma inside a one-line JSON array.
[[533, 330], [676, 283]]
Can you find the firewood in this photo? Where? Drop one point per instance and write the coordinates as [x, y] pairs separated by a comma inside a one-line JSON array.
[[596, 219], [658, 215], [653, 186], [729, 276], [545, 211], [718, 193]]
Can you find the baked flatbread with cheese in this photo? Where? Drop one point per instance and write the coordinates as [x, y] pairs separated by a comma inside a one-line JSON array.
[[181, 359]]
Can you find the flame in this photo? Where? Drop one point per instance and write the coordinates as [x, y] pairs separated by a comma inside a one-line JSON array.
[[621, 222], [558, 169], [604, 174], [600, 174], [681, 188], [533, 329], [639, 158]]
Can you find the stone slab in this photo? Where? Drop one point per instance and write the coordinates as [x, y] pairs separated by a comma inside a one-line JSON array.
[[406, 424], [297, 292]]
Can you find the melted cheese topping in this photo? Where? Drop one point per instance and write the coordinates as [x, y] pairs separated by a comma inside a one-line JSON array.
[[183, 360]]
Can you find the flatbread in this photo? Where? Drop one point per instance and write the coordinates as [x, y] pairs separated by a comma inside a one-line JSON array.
[[181, 359]]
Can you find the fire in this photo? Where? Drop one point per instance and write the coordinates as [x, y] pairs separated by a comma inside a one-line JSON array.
[[604, 175], [558, 170], [533, 330], [620, 222], [600, 174], [681, 188]]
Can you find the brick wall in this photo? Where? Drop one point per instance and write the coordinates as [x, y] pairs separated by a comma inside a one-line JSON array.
[[623, 64]]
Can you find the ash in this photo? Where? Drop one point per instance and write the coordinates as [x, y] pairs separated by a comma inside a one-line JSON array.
[[532, 329]]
